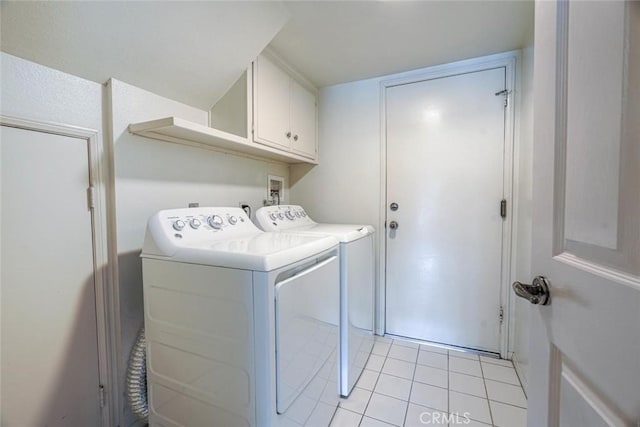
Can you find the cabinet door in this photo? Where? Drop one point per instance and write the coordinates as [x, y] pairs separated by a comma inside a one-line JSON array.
[[272, 88], [303, 121]]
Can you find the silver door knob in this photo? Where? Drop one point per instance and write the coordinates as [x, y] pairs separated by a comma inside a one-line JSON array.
[[393, 225], [536, 293], [288, 134], [295, 137]]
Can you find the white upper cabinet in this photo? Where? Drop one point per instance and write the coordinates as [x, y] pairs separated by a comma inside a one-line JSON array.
[[284, 110], [303, 121], [271, 104], [267, 113]]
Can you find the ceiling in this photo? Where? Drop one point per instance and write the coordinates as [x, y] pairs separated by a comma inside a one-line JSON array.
[[333, 42], [193, 51], [189, 51]]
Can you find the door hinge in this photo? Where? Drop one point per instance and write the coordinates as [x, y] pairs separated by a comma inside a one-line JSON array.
[[101, 396], [503, 208], [505, 93], [90, 198], [501, 314]]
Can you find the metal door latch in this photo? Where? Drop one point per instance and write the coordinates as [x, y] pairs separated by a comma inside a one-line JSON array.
[[505, 93], [536, 293]]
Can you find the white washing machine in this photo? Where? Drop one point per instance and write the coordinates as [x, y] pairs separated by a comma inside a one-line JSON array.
[[241, 324], [356, 282]]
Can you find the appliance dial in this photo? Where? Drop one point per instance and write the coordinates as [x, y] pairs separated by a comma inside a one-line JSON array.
[[297, 214], [280, 216], [290, 215], [195, 223], [178, 225], [303, 213], [233, 220], [273, 216], [215, 221]]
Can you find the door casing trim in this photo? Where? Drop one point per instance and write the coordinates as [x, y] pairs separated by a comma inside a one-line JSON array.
[[106, 308], [511, 61]]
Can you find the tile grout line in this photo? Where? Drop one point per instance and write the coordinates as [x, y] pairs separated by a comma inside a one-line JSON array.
[[448, 386], [374, 388], [354, 387], [448, 371], [484, 381], [364, 411], [500, 381], [520, 381], [496, 381], [508, 404], [413, 378]]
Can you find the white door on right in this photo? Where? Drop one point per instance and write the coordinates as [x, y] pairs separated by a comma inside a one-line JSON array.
[[585, 346], [445, 182]]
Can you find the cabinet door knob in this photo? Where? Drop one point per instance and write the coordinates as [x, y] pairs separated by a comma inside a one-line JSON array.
[[288, 134], [295, 137]]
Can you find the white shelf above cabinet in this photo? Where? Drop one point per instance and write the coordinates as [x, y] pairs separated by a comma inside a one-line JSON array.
[[179, 131]]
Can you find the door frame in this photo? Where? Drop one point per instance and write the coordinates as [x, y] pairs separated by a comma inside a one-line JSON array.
[[105, 299], [509, 60]]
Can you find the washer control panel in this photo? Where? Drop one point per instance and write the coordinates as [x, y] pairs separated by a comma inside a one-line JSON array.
[[196, 224], [282, 217]]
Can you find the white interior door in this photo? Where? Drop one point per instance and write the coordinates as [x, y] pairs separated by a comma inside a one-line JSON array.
[[585, 345], [445, 172], [48, 337]]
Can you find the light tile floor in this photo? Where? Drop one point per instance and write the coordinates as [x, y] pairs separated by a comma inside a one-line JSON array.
[[410, 384]]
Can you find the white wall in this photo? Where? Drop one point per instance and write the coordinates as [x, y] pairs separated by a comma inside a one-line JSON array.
[[39, 93], [151, 175], [345, 186], [36, 93], [522, 226]]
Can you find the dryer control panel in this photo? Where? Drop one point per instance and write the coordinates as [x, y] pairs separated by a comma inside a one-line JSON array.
[[282, 217]]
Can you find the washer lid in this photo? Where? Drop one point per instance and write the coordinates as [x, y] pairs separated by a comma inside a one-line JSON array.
[[225, 237]]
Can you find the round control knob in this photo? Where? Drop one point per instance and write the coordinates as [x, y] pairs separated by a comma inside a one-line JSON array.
[[303, 213], [290, 215], [280, 216], [273, 216], [195, 223], [233, 220], [215, 221], [178, 225], [297, 214]]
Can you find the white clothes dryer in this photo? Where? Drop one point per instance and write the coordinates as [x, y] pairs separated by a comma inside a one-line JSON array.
[[241, 324], [356, 282]]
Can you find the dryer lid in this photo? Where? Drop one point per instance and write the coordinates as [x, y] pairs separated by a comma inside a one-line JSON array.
[[292, 218], [345, 233]]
